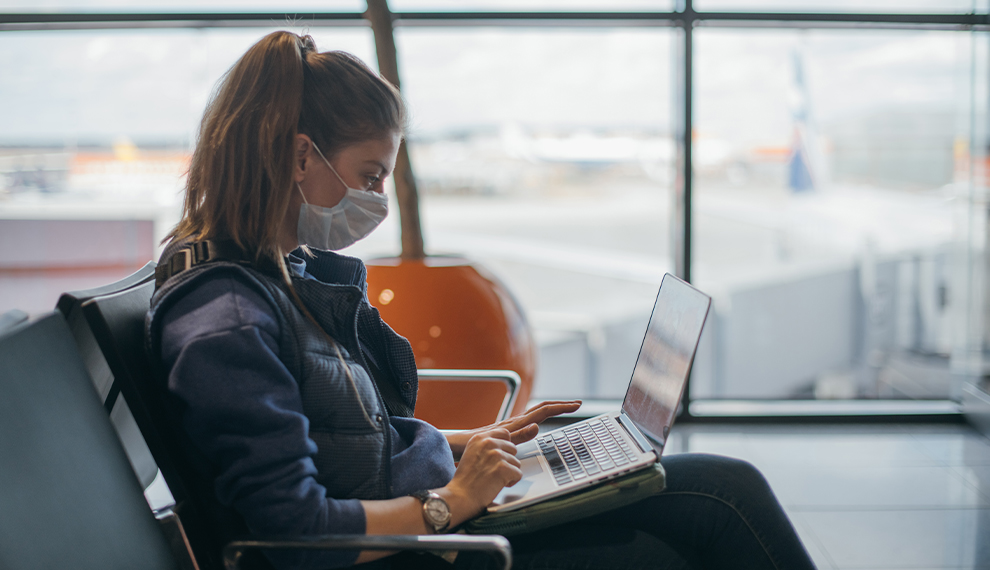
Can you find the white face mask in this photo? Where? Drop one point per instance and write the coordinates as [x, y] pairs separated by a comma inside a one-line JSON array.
[[356, 216]]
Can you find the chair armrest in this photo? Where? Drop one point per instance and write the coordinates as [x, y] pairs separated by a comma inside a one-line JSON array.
[[458, 398], [497, 545]]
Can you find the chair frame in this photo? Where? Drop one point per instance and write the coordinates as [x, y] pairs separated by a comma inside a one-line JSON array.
[[496, 545], [510, 378]]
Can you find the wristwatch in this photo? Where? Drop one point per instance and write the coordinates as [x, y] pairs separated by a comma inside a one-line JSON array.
[[436, 512]]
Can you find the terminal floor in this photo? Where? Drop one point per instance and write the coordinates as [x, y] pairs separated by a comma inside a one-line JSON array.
[[870, 496]]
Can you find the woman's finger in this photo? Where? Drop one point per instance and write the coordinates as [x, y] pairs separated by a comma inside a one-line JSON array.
[[497, 431], [511, 459], [506, 445], [552, 403], [514, 476], [549, 410], [525, 433], [540, 412]]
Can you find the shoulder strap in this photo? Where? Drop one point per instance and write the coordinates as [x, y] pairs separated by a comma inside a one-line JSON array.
[[199, 252]]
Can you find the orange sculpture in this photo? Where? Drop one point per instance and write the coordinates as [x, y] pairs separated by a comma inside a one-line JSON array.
[[456, 315]]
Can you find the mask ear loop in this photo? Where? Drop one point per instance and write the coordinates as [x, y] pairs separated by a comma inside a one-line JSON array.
[[330, 166]]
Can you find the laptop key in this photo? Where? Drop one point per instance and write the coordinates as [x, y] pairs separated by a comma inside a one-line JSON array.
[[600, 455], [622, 443], [611, 446], [573, 465], [554, 460], [557, 466], [586, 460]]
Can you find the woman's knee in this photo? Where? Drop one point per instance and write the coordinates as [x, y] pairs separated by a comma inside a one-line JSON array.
[[705, 472]]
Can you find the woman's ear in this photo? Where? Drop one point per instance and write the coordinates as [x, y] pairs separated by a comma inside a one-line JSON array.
[[302, 148]]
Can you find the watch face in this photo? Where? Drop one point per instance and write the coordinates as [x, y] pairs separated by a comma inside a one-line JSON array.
[[438, 510]]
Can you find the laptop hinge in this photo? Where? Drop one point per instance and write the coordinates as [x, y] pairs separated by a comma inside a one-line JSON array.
[[630, 427]]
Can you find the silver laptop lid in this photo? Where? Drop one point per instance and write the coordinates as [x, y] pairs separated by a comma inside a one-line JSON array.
[[665, 359]]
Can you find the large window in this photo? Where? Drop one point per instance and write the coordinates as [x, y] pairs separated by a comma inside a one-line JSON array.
[[834, 204]]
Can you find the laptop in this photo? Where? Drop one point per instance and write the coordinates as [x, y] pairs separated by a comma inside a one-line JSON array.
[[611, 445]]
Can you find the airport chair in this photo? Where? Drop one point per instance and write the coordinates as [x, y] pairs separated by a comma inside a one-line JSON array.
[[465, 399], [68, 495], [117, 322], [12, 318], [70, 305]]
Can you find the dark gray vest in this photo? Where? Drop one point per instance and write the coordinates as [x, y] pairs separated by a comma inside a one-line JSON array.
[[348, 413]]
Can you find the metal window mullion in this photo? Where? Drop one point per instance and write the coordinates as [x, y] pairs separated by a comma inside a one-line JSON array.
[[688, 140], [681, 213], [94, 20]]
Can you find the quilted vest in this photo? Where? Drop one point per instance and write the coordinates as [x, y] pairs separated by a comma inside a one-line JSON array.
[[348, 419]]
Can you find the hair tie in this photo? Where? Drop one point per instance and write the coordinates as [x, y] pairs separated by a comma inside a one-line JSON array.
[[306, 45]]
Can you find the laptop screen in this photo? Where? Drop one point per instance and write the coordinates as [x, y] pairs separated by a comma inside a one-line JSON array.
[[665, 358]]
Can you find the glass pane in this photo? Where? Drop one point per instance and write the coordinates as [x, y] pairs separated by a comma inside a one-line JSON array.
[[530, 6], [331, 5], [98, 131], [181, 6], [971, 346], [853, 6], [544, 154], [831, 167]]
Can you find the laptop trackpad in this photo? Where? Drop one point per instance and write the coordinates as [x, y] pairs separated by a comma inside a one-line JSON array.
[[531, 468]]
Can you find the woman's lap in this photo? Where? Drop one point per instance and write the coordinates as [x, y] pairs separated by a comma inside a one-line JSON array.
[[716, 512]]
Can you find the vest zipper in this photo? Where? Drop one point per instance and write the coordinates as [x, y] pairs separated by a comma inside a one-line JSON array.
[[384, 424]]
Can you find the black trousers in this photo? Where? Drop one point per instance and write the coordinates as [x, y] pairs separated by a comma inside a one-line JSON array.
[[716, 513]]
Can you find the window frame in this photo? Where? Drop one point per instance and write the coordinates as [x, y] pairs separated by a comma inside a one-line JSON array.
[[686, 19]]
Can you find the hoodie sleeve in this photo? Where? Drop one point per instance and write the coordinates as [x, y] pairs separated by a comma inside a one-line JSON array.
[[243, 409]]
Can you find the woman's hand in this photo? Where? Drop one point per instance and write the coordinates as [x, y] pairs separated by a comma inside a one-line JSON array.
[[487, 465], [521, 428]]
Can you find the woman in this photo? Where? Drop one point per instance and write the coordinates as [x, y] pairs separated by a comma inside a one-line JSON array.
[[296, 398]]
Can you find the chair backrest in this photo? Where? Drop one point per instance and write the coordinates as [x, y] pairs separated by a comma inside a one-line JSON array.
[[70, 305], [117, 322], [68, 496], [67, 302], [12, 318], [465, 399]]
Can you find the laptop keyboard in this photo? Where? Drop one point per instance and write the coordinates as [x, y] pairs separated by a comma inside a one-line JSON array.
[[586, 449]]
